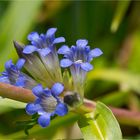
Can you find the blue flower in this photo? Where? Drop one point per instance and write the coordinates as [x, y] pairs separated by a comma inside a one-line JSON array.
[[12, 75], [79, 55], [47, 104], [43, 43], [78, 58], [34, 66]]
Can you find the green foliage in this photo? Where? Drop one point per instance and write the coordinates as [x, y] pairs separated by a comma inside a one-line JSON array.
[[100, 124], [28, 124], [15, 26], [129, 80], [8, 105], [111, 98], [134, 57], [116, 75], [122, 7]]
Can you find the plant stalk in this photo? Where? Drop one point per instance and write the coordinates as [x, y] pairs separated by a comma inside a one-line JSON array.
[[123, 116]]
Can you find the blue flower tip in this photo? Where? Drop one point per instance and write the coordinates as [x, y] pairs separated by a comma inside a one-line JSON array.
[[44, 120], [57, 88], [50, 32], [29, 49], [61, 109], [8, 64], [37, 90], [30, 109], [33, 36], [65, 63], [81, 42]]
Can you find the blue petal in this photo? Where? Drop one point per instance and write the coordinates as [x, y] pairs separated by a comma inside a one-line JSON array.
[[81, 42], [47, 92], [4, 79], [31, 109], [63, 50], [33, 36], [65, 63], [20, 63], [29, 49], [86, 66], [44, 52], [95, 52], [44, 120], [38, 90], [8, 64], [43, 38], [20, 82], [59, 40], [61, 109], [51, 32], [57, 88]]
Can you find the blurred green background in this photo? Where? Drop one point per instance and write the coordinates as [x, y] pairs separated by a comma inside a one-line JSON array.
[[113, 26]]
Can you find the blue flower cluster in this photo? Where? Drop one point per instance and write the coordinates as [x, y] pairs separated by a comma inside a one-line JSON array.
[[47, 103], [41, 60], [44, 43], [78, 58], [12, 75]]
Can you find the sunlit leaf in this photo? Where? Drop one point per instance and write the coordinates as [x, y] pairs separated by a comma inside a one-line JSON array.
[[134, 56], [8, 105], [37, 131], [100, 124], [111, 98], [15, 24], [119, 14], [129, 80]]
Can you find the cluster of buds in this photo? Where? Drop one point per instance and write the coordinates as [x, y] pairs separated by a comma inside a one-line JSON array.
[[57, 85]]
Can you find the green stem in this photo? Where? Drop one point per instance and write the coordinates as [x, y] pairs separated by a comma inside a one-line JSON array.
[[124, 116]]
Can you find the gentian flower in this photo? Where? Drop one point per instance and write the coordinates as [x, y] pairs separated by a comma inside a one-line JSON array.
[[12, 75], [78, 58], [47, 104], [40, 59], [45, 44], [34, 66]]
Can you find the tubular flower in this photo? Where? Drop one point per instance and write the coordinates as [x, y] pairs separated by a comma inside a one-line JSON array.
[[78, 58], [12, 75], [41, 60], [47, 104], [34, 66], [44, 44]]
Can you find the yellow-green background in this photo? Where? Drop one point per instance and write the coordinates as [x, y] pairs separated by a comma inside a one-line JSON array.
[[112, 26]]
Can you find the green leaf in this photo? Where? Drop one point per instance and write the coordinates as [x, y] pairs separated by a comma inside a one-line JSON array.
[[48, 132], [15, 24], [134, 55], [28, 124], [111, 98], [8, 105], [129, 80], [100, 124], [122, 8]]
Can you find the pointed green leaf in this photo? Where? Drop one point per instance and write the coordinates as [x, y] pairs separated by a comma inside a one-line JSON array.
[[16, 22], [100, 124], [121, 10]]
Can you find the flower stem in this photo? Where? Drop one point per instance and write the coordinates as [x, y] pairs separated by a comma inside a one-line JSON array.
[[124, 116], [16, 93]]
